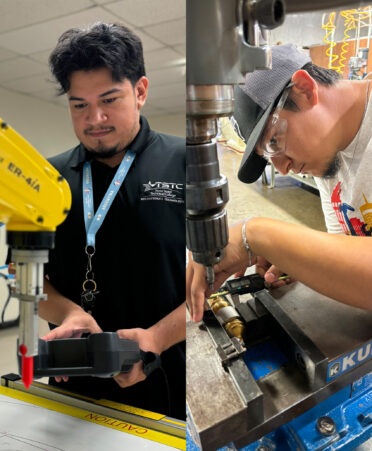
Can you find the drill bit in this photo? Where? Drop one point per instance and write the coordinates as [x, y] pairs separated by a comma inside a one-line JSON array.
[[210, 277]]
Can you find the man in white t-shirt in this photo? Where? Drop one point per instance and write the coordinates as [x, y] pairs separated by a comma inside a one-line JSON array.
[[323, 128], [306, 119], [347, 197]]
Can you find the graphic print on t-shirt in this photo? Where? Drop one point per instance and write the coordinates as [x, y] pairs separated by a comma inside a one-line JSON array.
[[352, 225]]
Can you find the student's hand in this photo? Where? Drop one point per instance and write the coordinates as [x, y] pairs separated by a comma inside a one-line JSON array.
[[147, 342], [236, 260], [73, 326], [271, 273]]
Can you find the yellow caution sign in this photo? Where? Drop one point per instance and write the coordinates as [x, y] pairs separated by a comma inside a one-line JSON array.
[[93, 417]]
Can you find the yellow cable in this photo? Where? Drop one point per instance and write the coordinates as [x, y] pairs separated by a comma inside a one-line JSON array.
[[330, 28]]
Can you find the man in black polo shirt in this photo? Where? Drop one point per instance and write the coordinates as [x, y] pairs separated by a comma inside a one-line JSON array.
[[124, 239]]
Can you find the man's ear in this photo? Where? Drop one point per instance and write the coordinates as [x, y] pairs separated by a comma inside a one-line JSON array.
[[140, 90], [305, 89]]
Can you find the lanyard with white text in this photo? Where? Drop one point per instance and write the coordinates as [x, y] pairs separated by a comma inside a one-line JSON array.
[[94, 221]]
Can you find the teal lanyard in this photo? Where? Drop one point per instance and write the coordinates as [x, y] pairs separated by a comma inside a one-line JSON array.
[[94, 221]]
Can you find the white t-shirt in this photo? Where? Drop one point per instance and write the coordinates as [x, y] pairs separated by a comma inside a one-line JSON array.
[[347, 197]]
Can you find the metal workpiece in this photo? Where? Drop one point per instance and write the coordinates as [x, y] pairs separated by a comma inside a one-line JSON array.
[[29, 291], [229, 317], [218, 34]]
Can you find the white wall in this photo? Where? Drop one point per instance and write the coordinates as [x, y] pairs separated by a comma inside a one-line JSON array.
[[173, 125], [45, 125]]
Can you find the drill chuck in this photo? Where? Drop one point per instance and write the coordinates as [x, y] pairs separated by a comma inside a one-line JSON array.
[[206, 237], [207, 195]]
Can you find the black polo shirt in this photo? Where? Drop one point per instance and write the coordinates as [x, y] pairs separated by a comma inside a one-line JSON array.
[[139, 263]]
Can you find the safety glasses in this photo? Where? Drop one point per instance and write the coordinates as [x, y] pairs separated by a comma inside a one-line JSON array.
[[274, 137]]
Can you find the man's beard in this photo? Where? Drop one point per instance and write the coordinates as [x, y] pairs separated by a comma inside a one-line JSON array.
[[104, 152], [332, 168]]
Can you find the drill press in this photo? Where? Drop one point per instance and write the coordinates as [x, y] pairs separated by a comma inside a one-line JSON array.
[[225, 40]]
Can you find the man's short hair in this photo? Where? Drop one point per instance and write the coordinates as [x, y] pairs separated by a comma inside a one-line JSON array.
[[323, 76], [102, 45]]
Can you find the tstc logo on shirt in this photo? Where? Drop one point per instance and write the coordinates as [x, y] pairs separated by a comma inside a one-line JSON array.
[[165, 191]]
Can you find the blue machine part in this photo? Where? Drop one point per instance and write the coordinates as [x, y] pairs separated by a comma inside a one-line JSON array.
[[264, 358], [349, 361], [350, 410]]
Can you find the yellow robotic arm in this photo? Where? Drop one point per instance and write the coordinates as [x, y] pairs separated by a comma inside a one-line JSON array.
[[33, 195], [34, 200]]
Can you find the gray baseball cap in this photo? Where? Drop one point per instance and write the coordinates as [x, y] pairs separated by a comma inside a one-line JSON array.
[[254, 102]]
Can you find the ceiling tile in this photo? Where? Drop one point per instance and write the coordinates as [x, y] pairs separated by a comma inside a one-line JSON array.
[[18, 68], [49, 93], [16, 14], [7, 54], [148, 42], [143, 13], [102, 2], [44, 36], [180, 49], [171, 33], [41, 57], [28, 36], [30, 84], [170, 75], [162, 58]]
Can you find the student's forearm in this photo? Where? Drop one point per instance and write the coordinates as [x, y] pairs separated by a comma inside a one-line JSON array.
[[57, 308], [335, 265], [171, 329]]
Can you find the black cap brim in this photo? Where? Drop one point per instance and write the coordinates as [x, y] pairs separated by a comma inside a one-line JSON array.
[[246, 113], [253, 165]]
